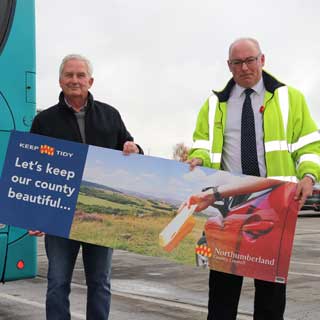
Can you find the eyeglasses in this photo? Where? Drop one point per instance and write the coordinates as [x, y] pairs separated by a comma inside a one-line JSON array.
[[250, 61]]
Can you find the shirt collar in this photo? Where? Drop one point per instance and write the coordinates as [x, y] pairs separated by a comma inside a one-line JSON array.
[[83, 108], [258, 88]]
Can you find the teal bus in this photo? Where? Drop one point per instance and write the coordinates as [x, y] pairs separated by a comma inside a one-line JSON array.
[[18, 251]]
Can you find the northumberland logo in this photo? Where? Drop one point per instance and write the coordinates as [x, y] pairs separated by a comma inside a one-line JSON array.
[[45, 149], [203, 250]]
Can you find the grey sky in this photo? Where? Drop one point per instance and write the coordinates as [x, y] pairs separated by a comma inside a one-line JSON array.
[[157, 60]]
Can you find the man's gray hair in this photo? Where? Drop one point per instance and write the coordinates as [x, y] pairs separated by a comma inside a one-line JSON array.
[[254, 41], [76, 57]]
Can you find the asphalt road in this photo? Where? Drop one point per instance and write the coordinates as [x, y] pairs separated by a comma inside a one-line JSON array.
[[155, 289]]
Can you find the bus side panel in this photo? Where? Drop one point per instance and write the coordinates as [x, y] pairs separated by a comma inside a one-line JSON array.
[[21, 260], [17, 80], [17, 109]]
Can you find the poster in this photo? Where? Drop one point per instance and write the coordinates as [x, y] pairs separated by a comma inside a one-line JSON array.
[[144, 204]]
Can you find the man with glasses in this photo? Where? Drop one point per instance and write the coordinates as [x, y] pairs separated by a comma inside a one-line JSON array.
[[257, 126]]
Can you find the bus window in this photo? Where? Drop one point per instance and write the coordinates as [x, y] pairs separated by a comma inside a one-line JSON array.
[[6, 16]]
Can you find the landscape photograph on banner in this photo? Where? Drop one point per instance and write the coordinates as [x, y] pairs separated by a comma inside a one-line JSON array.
[[144, 205]]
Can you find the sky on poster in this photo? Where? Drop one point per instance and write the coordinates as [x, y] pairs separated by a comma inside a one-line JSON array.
[[150, 175], [156, 61]]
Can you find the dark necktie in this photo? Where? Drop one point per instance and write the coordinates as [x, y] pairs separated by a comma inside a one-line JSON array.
[[249, 158]]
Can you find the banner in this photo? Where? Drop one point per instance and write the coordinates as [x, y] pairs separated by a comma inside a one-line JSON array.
[[148, 205]]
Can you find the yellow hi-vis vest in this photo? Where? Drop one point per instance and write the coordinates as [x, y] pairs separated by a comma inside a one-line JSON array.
[[291, 138]]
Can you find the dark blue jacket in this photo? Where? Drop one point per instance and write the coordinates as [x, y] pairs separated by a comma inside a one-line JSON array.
[[103, 124]]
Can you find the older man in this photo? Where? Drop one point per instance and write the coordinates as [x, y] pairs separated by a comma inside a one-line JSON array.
[[78, 117], [256, 126]]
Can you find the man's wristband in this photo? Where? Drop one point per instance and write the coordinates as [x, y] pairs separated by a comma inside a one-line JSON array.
[[217, 195]]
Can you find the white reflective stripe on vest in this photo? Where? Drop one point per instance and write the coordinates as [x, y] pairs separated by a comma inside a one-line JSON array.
[[277, 145], [283, 95], [303, 141], [201, 144], [281, 145], [213, 100], [310, 157], [285, 178], [215, 157]]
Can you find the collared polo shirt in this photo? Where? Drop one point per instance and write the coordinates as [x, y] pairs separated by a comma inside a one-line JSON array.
[[80, 116]]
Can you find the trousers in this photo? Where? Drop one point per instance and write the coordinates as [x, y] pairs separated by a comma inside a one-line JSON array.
[[62, 254], [224, 295]]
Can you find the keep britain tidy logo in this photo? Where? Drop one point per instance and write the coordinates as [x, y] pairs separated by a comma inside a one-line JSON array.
[[46, 150]]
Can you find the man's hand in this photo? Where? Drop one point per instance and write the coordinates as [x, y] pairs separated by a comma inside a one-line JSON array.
[[304, 190], [130, 147], [194, 162], [36, 233], [203, 200]]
